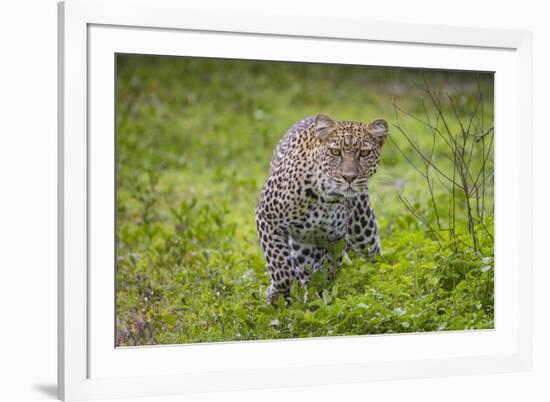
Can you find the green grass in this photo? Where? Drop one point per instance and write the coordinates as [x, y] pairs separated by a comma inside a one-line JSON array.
[[194, 140]]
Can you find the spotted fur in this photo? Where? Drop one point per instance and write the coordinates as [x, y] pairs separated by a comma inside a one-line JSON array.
[[316, 194]]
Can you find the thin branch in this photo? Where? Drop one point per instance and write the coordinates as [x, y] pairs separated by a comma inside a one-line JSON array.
[[418, 216]]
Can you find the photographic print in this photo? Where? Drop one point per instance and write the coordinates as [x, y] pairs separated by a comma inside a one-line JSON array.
[[260, 200]]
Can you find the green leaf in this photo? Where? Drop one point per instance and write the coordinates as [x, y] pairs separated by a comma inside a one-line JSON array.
[[327, 297]]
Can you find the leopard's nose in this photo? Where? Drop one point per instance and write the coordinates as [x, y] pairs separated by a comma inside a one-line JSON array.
[[349, 177]]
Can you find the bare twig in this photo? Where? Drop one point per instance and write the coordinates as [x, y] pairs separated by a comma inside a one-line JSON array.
[[466, 146]]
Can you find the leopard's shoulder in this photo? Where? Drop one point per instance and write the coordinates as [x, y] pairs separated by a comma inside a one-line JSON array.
[[291, 139]]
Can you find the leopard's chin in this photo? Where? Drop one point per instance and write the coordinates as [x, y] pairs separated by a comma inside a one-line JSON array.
[[344, 193], [350, 193], [339, 191]]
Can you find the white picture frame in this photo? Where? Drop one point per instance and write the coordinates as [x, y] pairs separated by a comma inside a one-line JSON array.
[[91, 32]]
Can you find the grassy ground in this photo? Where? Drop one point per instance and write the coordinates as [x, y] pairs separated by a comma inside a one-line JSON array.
[[194, 140]]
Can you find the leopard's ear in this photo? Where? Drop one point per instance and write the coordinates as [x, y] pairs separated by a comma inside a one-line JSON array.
[[324, 126], [378, 129]]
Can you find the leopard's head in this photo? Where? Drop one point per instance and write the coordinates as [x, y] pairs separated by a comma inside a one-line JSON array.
[[349, 154]]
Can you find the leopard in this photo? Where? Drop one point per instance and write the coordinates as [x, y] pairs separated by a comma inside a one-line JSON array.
[[316, 195]]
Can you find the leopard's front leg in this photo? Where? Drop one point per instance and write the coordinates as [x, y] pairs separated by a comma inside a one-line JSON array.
[[278, 258], [305, 258], [362, 227], [308, 258]]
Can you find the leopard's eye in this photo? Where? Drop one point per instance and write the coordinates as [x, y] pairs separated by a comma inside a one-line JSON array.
[[335, 151], [364, 153]]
